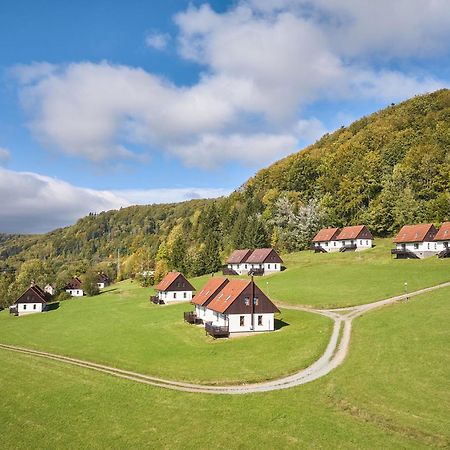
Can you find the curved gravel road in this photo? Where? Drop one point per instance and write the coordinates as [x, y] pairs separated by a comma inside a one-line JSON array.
[[333, 356]]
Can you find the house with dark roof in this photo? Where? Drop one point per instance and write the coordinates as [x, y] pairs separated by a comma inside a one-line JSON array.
[[416, 241], [236, 306], [33, 300], [103, 280], [174, 287], [203, 298], [353, 238], [258, 262], [74, 287], [442, 240]]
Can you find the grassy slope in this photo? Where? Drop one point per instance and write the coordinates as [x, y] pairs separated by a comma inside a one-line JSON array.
[[345, 279], [392, 392], [122, 328]]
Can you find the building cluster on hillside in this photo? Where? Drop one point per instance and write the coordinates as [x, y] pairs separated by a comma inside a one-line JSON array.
[[422, 241], [352, 238], [260, 261]]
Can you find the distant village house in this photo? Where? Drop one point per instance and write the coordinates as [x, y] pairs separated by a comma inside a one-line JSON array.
[[353, 238], [173, 288], [33, 300], [416, 241], [50, 289], [74, 287], [260, 261], [103, 280], [442, 240]]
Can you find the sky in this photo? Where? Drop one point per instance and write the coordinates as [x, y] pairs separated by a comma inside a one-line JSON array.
[[109, 103]]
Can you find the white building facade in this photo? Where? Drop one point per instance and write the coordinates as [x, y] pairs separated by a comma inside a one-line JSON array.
[[174, 288]]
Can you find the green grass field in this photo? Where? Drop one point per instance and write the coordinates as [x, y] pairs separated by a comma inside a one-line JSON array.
[[354, 278], [122, 328], [392, 392]]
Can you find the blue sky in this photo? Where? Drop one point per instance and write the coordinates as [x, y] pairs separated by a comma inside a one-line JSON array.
[[109, 103]]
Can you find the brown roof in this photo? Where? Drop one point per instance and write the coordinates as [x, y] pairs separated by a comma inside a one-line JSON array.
[[228, 295], [416, 233], [261, 255], [33, 294], [209, 290], [232, 299], [74, 283], [174, 281], [354, 232], [326, 234], [239, 256], [444, 232]]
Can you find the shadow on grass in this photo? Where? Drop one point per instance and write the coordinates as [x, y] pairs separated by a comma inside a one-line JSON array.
[[107, 291], [51, 307], [280, 323]]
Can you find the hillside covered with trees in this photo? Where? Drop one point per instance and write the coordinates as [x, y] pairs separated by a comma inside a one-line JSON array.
[[385, 170]]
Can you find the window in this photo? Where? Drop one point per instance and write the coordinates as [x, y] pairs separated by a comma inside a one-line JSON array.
[[246, 301], [360, 242], [428, 246], [255, 301], [334, 243], [268, 266], [367, 242], [184, 294], [241, 320], [260, 321], [174, 295], [24, 307], [416, 246], [34, 306], [326, 244], [245, 266]]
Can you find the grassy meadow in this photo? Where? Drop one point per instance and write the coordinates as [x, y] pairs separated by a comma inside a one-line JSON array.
[[122, 328], [392, 392]]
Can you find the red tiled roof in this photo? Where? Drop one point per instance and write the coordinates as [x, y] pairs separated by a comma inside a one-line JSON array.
[[415, 233], [260, 256], [209, 290], [326, 234], [228, 295], [238, 256], [444, 232], [351, 232], [170, 278]]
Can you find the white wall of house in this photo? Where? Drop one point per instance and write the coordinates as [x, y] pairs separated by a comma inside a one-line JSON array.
[[175, 296], [363, 244], [241, 269], [29, 308], [75, 292], [262, 322], [442, 245], [204, 313], [329, 246], [101, 285], [421, 249]]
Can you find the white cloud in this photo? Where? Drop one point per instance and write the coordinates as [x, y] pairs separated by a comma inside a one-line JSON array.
[[263, 62], [33, 203], [5, 155], [157, 41]]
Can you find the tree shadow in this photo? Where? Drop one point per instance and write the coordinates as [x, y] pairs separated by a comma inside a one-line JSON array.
[[280, 323], [107, 291], [51, 307]]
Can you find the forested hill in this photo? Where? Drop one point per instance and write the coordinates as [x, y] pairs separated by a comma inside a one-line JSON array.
[[384, 170]]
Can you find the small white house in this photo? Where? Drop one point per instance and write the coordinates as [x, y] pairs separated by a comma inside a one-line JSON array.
[[325, 241], [416, 241], [50, 289], [74, 287], [354, 238], [442, 240], [202, 299], [264, 261], [103, 280], [174, 288], [32, 301], [237, 262], [240, 306]]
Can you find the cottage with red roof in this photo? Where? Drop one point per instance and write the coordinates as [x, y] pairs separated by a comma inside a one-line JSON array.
[[416, 241], [203, 298], [74, 287], [33, 300], [238, 306], [442, 240], [354, 238], [259, 262], [174, 287]]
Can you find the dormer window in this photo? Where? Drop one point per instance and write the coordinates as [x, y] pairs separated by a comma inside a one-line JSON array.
[[246, 301]]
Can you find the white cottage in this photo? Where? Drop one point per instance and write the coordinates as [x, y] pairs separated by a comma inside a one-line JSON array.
[[173, 288], [203, 298], [103, 280], [237, 263], [33, 300], [74, 287], [325, 241], [442, 240], [240, 306], [416, 241], [50, 289], [354, 238], [260, 261]]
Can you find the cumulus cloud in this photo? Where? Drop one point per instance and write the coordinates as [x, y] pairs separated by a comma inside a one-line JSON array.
[[5, 155], [262, 63], [33, 203], [158, 41]]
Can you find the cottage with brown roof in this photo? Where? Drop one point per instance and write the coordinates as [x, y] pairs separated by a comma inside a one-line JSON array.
[[238, 306], [103, 280], [416, 241], [442, 240], [173, 287], [74, 287], [260, 261], [33, 300], [354, 238], [203, 298]]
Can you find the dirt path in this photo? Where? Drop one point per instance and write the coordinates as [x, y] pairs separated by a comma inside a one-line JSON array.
[[334, 354]]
